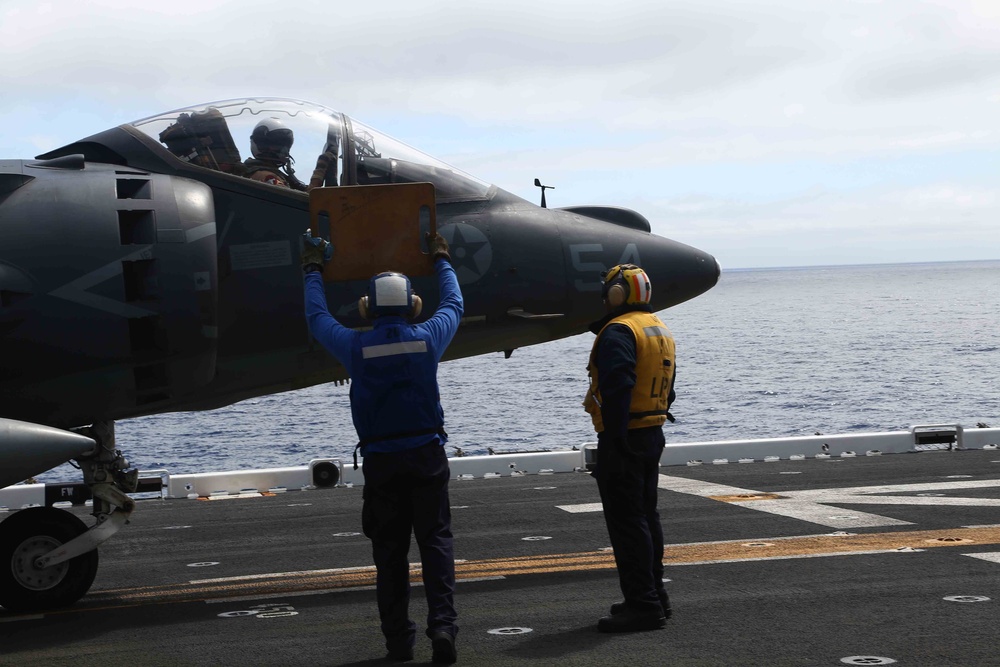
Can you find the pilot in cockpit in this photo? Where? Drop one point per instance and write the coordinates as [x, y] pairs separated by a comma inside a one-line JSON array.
[[271, 145]]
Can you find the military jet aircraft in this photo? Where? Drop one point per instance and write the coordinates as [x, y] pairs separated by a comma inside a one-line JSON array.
[[145, 270]]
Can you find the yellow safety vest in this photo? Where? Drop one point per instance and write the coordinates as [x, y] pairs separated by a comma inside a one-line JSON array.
[[654, 372]]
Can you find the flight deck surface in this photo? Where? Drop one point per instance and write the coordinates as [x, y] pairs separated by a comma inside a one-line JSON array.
[[860, 560]]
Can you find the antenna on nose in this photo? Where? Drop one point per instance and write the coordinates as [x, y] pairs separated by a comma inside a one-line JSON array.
[[538, 184]]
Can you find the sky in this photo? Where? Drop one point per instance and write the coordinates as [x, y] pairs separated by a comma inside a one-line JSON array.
[[767, 133]]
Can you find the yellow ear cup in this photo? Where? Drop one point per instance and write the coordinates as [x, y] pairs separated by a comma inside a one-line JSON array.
[[616, 295]]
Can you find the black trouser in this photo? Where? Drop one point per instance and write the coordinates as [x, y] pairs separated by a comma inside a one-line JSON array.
[[403, 491], [627, 476]]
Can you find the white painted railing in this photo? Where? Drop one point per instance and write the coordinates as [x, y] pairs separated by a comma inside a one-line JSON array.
[[334, 472]]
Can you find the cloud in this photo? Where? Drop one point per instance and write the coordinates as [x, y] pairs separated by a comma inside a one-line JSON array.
[[926, 75], [771, 119], [878, 224]]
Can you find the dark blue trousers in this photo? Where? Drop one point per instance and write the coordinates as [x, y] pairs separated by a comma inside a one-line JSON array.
[[408, 491], [627, 475]]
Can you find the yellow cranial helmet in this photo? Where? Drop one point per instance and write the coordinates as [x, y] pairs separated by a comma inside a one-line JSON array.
[[626, 284]]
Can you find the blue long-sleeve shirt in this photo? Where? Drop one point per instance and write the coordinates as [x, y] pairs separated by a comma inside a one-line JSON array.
[[616, 378], [345, 345]]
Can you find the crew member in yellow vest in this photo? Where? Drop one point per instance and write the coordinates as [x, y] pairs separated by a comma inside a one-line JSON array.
[[631, 389]]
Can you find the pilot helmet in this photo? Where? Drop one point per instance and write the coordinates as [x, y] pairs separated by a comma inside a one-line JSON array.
[[271, 140], [389, 293], [626, 284]]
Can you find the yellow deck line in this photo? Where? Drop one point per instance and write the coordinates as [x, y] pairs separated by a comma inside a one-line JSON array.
[[676, 554]]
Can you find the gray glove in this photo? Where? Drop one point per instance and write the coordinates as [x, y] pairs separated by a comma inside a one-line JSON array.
[[438, 247], [315, 253]]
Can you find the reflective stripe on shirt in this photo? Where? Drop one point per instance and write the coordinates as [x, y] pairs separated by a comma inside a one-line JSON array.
[[390, 349]]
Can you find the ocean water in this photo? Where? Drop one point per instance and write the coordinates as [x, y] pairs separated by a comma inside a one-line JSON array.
[[766, 353]]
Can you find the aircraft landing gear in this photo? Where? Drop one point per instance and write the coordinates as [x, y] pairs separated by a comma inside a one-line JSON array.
[[48, 557], [26, 536]]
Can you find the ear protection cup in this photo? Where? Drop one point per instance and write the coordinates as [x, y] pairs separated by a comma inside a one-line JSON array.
[[616, 295], [365, 313], [626, 284]]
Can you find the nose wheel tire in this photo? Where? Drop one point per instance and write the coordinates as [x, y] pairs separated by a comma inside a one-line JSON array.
[[24, 537]]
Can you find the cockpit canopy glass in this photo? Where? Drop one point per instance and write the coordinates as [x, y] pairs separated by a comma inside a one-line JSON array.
[[334, 149]]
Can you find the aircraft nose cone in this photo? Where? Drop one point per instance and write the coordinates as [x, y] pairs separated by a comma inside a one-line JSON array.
[[678, 272]]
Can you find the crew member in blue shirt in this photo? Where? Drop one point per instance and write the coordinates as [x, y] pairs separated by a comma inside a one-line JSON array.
[[400, 424]]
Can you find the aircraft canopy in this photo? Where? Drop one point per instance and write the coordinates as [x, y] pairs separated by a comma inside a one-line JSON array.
[[217, 136]]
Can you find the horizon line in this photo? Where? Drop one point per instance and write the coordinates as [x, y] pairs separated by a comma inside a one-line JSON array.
[[857, 265]]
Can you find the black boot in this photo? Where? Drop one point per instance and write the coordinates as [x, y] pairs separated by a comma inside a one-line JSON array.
[[628, 620], [400, 653], [619, 607], [443, 646]]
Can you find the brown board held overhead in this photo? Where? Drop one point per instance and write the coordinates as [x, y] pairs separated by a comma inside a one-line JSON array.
[[374, 228]]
